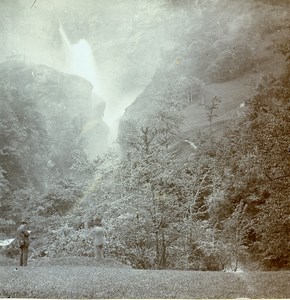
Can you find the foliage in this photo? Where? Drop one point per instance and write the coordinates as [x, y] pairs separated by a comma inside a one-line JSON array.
[[40, 144], [231, 63], [270, 130], [149, 187], [69, 242], [210, 207], [4, 190], [211, 109], [23, 138], [255, 157]]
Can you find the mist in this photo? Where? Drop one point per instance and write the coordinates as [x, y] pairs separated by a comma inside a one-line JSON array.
[[103, 42], [118, 46], [166, 119]]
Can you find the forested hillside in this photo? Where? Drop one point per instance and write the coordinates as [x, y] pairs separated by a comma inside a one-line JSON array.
[[200, 177]]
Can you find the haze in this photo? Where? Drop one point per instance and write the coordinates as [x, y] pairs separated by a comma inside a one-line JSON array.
[[88, 38]]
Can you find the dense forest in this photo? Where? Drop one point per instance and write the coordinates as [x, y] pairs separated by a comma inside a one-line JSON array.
[[176, 193]]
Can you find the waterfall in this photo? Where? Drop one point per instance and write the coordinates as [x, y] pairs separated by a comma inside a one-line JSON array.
[[83, 63], [81, 60]]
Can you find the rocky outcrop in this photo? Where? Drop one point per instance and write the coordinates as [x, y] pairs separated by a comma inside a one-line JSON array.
[[56, 94]]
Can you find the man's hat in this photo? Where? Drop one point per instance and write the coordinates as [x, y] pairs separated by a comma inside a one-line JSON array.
[[24, 222]]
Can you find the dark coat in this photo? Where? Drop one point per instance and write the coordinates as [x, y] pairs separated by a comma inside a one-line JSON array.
[[23, 236]]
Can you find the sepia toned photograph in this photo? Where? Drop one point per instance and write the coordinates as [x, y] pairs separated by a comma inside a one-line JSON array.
[[145, 149]]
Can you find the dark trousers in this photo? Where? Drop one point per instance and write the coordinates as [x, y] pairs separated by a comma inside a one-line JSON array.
[[23, 255]]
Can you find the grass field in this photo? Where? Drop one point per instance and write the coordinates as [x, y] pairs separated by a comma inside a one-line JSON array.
[[78, 277]]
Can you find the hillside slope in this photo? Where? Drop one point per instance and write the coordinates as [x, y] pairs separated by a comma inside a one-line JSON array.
[[234, 93], [232, 64]]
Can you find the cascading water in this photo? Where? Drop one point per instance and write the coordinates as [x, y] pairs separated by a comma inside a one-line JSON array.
[[83, 63], [80, 61]]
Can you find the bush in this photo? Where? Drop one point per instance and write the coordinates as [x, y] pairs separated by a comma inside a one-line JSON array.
[[67, 241], [11, 250]]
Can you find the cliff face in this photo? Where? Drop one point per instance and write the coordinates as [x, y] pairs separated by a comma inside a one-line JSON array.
[[60, 98]]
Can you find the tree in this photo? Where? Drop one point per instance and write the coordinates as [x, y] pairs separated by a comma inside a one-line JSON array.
[[149, 168], [270, 129], [23, 138], [256, 159], [211, 110]]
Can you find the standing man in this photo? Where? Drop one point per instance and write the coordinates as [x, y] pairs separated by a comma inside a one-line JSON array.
[[23, 237], [98, 236]]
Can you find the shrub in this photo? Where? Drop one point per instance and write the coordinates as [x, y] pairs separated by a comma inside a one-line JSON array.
[[66, 241]]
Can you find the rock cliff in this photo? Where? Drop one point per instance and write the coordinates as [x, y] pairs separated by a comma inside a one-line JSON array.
[[57, 94]]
